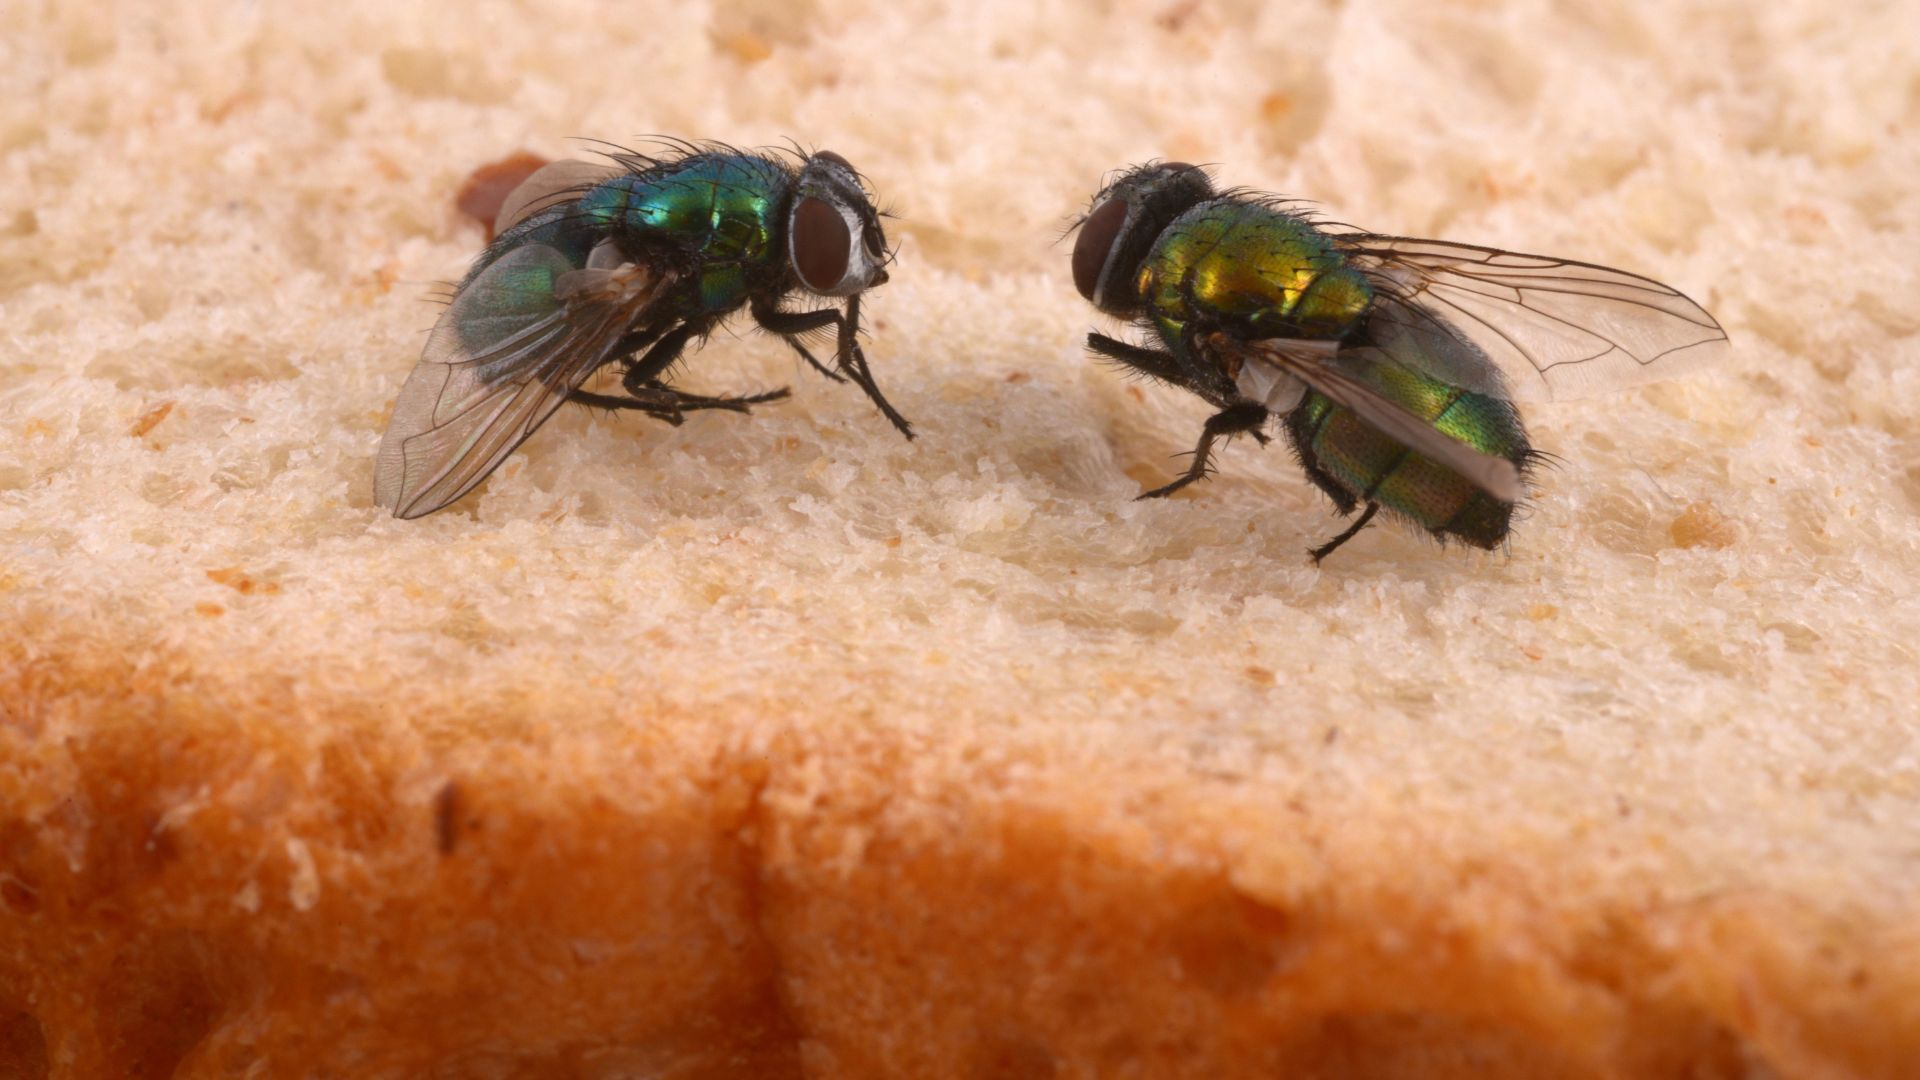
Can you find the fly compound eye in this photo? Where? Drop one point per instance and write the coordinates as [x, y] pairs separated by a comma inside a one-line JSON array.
[[1097, 235], [821, 245]]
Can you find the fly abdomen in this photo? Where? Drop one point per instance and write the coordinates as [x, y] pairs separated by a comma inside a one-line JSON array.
[[1354, 463]]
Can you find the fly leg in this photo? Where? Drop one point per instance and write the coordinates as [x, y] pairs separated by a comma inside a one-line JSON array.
[[791, 326], [1157, 363], [1236, 415], [685, 402], [648, 395], [853, 360], [1326, 549], [661, 405], [641, 379], [1166, 367], [1246, 416], [847, 355], [666, 404]]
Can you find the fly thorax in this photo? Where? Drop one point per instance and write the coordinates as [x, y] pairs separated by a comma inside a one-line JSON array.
[[1162, 285], [1332, 301]]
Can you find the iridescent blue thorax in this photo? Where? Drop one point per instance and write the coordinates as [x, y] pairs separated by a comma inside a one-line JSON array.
[[720, 213]]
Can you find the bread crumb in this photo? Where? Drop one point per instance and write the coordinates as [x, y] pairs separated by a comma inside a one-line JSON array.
[[150, 419], [1702, 525], [241, 582], [747, 48]]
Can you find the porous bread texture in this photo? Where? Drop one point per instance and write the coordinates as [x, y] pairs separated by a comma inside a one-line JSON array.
[[783, 747]]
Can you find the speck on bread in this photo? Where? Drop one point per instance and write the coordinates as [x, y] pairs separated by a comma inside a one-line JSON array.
[[782, 747]]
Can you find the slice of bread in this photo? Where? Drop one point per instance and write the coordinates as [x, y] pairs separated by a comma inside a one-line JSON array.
[[778, 746]]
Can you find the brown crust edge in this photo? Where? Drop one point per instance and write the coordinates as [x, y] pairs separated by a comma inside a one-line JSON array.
[[197, 874]]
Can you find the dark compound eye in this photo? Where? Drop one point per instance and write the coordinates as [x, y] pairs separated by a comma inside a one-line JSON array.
[[821, 244], [1097, 235]]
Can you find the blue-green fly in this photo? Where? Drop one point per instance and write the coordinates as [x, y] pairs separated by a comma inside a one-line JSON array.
[[1392, 362], [629, 262]]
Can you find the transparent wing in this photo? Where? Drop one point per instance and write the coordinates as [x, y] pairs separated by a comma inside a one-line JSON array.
[[548, 186], [516, 339], [1548, 328], [1330, 370]]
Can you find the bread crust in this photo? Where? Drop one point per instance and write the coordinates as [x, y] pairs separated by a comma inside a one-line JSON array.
[[202, 874]]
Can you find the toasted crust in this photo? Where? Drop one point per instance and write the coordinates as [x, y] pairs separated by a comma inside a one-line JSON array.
[[201, 878]]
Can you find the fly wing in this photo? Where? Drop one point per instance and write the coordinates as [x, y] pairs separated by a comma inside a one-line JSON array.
[[527, 330], [1330, 369], [550, 185], [1527, 326]]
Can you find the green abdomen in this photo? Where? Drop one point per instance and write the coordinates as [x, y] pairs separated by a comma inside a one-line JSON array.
[[1355, 464]]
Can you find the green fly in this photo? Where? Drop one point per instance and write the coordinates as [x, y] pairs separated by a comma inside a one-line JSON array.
[[1393, 362], [629, 262]]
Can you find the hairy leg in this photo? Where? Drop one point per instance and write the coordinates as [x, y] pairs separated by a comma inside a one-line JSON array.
[[791, 326], [848, 356], [1353, 530], [1158, 363], [1244, 417], [665, 403], [647, 394]]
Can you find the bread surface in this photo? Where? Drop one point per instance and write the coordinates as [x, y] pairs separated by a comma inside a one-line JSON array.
[[781, 746]]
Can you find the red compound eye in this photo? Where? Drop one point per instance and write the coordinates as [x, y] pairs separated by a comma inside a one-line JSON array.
[[1097, 235], [821, 244]]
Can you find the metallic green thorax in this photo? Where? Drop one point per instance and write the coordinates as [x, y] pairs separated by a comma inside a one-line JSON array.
[[722, 210], [1250, 268], [1257, 271]]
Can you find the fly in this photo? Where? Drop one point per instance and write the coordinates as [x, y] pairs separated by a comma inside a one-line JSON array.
[[1393, 363], [629, 263]]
